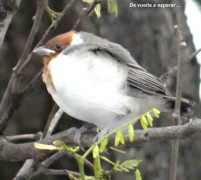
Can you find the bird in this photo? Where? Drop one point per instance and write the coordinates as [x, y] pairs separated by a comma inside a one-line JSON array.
[[98, 81]]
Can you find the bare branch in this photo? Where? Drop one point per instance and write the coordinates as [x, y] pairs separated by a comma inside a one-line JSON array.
[[174, 69], [11, 88], [85, 13], [43, 166], [55, 108], [182, 46], [41, 5], [49, 161], [26, 150], [61, 172], [54, 122], [22, 137], [26, 170], [176, 113], [16, 100], [6, 22]]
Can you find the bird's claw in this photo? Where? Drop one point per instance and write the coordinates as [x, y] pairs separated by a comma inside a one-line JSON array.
[[79, 132], [100, 135]]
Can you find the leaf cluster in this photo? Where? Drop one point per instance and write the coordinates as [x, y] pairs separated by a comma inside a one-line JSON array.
[[111, 6], [100, 146]]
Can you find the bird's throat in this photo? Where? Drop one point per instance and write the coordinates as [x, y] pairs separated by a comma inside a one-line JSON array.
[[46, 76]]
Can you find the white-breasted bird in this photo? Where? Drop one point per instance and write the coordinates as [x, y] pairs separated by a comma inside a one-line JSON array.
[[98, 81]]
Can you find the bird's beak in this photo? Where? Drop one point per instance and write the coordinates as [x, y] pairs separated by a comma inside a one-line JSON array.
[[43, 51]]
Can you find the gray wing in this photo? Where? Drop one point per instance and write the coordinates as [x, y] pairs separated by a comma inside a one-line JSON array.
[[145, 81], [138, 77]]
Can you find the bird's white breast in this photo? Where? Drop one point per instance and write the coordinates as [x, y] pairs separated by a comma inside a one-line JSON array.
[[89, 87]]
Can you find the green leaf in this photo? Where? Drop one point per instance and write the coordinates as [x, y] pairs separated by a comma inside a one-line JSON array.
[[120, 151], [72, 177], [58, 143], [62, 145], [149, 119], [46, 147], [126, 165], [131, 164], [88, 1], [103, 145], [116, 10], [108, 5], [97, 10], [138, 175], [95, 151], [131, 132], [112, 6], [116, 166], [119, 137], [107, 160], [156, 112], [144, 122]]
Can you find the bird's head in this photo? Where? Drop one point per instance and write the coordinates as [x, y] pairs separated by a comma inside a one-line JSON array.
[[55, 45]]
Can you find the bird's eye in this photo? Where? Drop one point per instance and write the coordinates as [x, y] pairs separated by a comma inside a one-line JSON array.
[[58, 47]]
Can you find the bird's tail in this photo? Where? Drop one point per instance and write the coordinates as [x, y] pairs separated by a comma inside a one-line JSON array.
[[186, 105]]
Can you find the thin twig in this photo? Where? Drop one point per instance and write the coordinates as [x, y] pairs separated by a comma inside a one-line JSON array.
[[22, 137], [61, 172], [54, 122], [51, 29], [41, 5], [6, 24], [26, 170], [16, 100], [43, 166], [85, 13], [49, 161], [55, 108], [174, 69], [176, 113], [13, 82]]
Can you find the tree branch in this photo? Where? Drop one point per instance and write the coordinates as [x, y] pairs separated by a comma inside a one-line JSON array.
[[54, 122], [41, 5], [6, 100], [174, 69], [25, 151], [15, 102], [85, 13], [22, 137], [6, 22], [61, 172], [14, 80], [176, 113]]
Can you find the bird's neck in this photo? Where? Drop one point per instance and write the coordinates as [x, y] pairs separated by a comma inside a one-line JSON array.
[[46, 76]]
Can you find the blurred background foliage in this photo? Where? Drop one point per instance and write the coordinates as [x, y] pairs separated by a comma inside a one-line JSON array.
[[148, 34]]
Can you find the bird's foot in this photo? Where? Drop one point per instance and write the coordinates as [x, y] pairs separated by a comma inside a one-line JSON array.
[[79, 132], [100, 135]]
